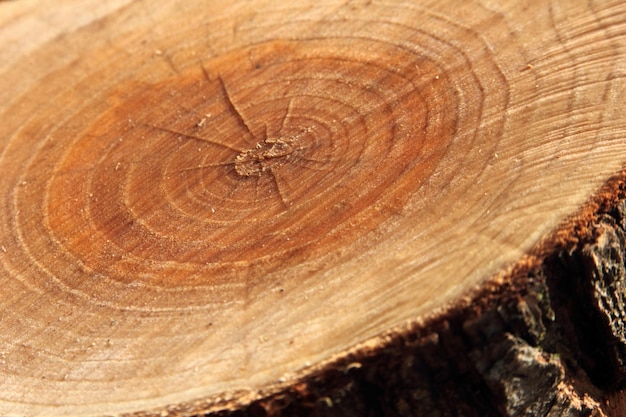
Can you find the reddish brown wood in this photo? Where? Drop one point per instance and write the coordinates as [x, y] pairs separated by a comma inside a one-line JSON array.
[[213, 204]]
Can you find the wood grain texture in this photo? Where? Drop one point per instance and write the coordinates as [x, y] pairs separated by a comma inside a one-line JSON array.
[[207, 200]]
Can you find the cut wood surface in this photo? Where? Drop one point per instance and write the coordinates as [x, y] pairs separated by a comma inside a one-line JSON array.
[[206, 201]]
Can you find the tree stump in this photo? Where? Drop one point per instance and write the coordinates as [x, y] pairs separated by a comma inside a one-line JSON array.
[[319, 208]]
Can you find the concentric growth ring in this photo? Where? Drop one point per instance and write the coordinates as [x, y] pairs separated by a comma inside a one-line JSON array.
[[178, 185], [272, 161]]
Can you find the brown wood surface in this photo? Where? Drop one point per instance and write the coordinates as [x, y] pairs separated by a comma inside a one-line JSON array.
[[206, 201]]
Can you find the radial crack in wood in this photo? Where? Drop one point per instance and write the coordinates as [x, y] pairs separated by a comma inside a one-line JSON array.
[[212, 205]]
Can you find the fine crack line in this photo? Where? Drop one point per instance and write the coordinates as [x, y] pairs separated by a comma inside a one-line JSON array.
[[278, 188], [287, 115], [189, 136], [234, 108]]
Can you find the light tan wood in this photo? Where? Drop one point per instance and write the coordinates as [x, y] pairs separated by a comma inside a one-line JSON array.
[[203, 201]]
